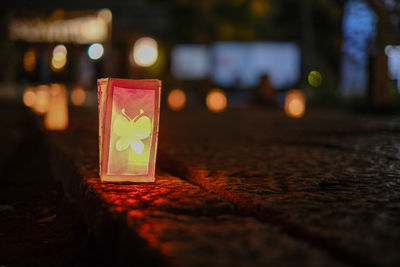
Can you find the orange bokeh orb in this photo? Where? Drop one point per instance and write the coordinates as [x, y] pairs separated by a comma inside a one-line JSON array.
[[176, 99], [29, 97], [216, 100], [42, 100], [295, 104], [78, 96]]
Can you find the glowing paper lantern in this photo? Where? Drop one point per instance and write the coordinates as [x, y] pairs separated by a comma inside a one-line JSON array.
[[128, 129], [56, 117], [295, 104]]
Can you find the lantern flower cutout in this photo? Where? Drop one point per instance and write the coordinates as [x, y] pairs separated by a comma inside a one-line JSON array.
[[128, 129]]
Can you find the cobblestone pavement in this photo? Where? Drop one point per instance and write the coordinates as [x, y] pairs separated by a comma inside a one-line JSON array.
[[247, 187]]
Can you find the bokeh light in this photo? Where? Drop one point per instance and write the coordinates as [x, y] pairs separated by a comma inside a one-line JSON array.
[[145, 52], [176, 99], [314, 78], [93, 30], [56, 117], [216, 100], [59, 58], [105, 15], [95, 51], [42, 100], [259, 7], [78, 96], [295, 104], [59, 52], [29, 60], [29, 97], [57, 65]]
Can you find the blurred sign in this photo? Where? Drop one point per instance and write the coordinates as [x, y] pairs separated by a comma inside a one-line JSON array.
[[190, 61], [80, 30], [242, 64]]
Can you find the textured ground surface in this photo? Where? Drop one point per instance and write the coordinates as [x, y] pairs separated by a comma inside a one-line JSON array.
[[247, 187], [38, 226], [331, 179]]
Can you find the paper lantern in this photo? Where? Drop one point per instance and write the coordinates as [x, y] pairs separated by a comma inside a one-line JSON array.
[[128, 129]]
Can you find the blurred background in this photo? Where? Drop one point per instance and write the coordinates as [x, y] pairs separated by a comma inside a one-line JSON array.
[[207, 53], [263, 66]]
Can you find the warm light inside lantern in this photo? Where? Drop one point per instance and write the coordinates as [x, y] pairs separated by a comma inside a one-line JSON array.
[[176, 99], [216, 100], [145, 51], [57, 116], [128, 123], [295, 104]]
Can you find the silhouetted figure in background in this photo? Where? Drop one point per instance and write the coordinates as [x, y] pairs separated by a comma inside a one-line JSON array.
[[265, 91]]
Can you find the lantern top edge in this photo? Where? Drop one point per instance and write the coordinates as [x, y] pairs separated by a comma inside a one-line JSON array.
[[132, 82]]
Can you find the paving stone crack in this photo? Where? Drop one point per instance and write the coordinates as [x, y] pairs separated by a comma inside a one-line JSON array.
[[264, 214]]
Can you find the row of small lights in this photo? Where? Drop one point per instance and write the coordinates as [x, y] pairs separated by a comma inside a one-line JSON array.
[[216, 101], [145, 54], [38, 98]]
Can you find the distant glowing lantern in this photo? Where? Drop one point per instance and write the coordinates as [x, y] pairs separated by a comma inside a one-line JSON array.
[[42, 100], [128, 129], [176, 99], [29, 97], [216, 100], [29, 60], [78, 96], [145, 52], [314, 78], [56, 117], [95, 51], [295, 104]]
